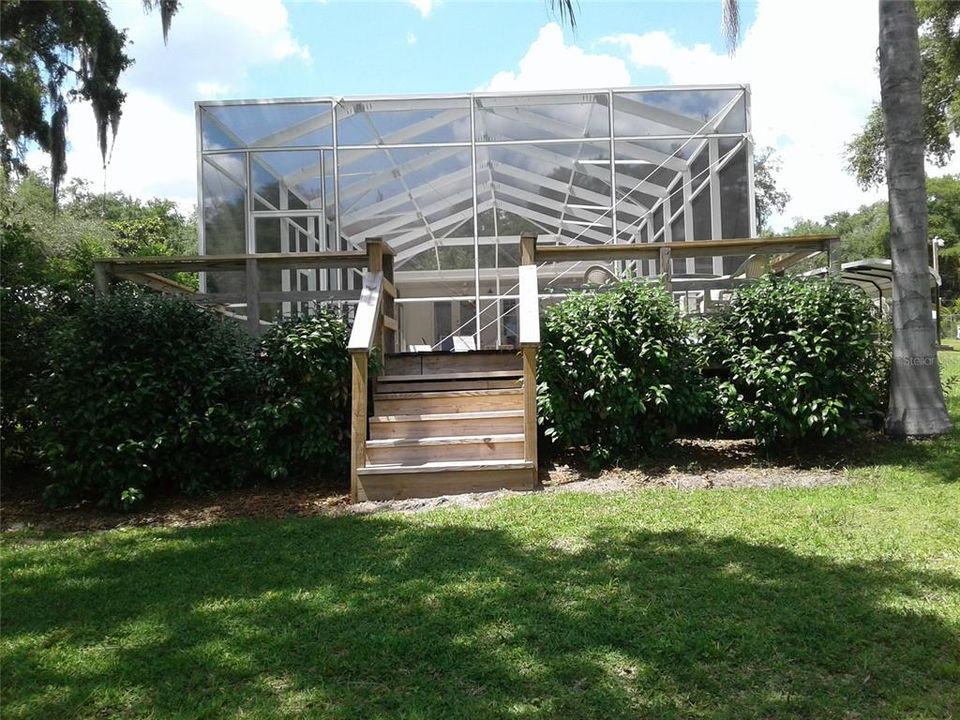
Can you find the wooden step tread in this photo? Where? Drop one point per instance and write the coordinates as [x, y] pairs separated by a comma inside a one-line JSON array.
[[427, 394], [450, 353], [482, 415], [446, 440], [445, 466], [472, 375]]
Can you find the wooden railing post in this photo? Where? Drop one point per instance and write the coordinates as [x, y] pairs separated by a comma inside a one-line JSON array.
[[666, 268], [528, 248], [833, 257], [359, 364], [362, 338], [101, 278], [529, 317], [375, 265], [529, 353]]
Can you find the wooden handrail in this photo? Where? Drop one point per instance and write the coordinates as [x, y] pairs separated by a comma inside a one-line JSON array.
[[687, 249], [367, 318], [366, 327], [529, 306], [226, 263]]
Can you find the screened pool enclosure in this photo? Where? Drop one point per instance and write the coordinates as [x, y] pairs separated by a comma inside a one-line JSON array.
[[450, 182]]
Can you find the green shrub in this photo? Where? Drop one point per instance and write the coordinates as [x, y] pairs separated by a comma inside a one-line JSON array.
[[303, 420], [804, 360], [33, 301], [143, 396], [618, 372]]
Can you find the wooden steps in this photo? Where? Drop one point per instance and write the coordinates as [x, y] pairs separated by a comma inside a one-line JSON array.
[[446, 423], [434, 382], [439, 424], [447, 401], [431, 480]]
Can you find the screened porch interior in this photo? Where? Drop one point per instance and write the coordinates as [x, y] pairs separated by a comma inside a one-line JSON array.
[[450, 183]]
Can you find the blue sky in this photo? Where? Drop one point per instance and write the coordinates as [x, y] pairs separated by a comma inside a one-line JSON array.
[[812, 81], [459, 46]]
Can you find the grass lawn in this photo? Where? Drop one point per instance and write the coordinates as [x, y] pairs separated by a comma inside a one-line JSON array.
[[828, 602]]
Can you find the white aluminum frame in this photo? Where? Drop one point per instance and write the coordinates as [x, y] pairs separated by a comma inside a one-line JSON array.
[[617, 214]]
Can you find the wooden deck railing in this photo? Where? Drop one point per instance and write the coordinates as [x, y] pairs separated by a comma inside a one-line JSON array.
[[792, 248], [144, 271], [528, 306], [789, 251], [374, 326]]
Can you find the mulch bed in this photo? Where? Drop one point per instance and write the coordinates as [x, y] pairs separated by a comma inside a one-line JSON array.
[[688, 464]]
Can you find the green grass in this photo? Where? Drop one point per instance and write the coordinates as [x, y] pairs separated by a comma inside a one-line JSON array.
[[834, 602]]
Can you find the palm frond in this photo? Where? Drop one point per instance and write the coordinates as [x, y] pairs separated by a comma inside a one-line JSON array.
[[730, 24], [564, 8]]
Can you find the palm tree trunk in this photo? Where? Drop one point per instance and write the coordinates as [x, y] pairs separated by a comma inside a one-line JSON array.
[[916, 396]]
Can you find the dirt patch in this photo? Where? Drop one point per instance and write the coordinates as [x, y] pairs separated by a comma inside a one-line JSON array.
[[690, 465], [268, 502]]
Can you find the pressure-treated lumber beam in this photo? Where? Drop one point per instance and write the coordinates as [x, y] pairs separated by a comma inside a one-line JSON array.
[[693, 248], [215, 263]]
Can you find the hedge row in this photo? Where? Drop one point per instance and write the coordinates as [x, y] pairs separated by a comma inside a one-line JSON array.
[[143, 396], [788, 360], [138, 396]]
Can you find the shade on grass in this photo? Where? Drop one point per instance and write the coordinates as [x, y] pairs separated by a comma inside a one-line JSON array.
[[806, 603]]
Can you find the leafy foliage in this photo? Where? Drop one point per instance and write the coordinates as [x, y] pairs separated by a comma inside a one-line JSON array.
[[943, 221], [770, 198], [145, 395], [47, 48], [618, 372], [940, 92], [302, 423], [47, 259], [803, 359], [866, 232]]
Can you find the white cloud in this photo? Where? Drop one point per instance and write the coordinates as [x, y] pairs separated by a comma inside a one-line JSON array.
[[551, 64], [154, 154], [411, 39], [217, 41], [423, 6], [211, 89], [811, 68]]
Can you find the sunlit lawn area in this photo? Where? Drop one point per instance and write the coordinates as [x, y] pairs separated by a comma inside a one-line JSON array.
[[831, 602]]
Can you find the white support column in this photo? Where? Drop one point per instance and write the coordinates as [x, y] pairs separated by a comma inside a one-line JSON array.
[[716, 230], [201, 235], [476, 229], [687, 205], [285, 274]]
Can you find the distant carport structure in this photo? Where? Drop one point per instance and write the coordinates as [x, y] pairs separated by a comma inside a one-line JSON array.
[[875, 277]]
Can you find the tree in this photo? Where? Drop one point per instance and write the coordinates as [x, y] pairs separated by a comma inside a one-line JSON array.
[[769, 198], [54, 53], [940, 93], [916, 396], [865, 232], [943, 213]]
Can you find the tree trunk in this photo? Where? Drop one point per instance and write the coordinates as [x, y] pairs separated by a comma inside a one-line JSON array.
[[916, 396]]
